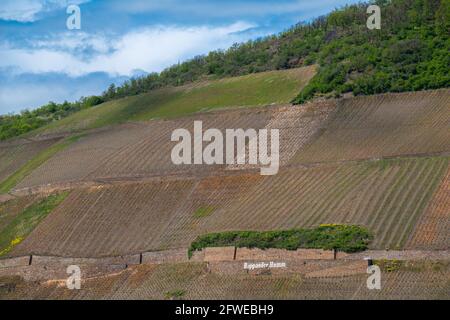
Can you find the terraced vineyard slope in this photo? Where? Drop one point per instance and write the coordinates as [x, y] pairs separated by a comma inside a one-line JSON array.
[[128, 197], [15, 155], [384, 126]]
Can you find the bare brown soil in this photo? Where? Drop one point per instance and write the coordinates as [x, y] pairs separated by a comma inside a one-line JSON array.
[[130, 218], [382, 126], [433, 231]]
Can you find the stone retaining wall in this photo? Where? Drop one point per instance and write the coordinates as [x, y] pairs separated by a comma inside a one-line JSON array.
[[14, 262], [219, 254], [120, 260], [306, 268], [280, 254], [52, 272], [47, 268], [291, 266], [311, 263], [175, 255], [246, 254], [403, 254]]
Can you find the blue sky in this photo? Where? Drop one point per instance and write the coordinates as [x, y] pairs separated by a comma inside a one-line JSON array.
[[41, 60]]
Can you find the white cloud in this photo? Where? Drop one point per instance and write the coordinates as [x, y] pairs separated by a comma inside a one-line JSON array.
[[149, 49], [31, 91], [72, 42], [12, 98], [227, 8], [29, 10]]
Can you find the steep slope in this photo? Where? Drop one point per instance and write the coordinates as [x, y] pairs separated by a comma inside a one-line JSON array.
[[409, 53], [142, 150], [14, 155], [350, 129], [384, 126], [433, 229], [274, 87], [388, 198], [139, 200]]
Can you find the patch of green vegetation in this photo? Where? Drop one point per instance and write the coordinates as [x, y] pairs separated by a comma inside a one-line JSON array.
[[22, 225], [347, 238], [383, 164], [10, 182], [392, 265], [408, 53], [251, 90], [389, 265], [439, 266], [203, 212], [175, 294], [13, 125]]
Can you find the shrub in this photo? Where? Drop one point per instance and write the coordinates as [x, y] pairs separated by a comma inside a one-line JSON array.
[[203, 212], [347, 238], [175, 294]]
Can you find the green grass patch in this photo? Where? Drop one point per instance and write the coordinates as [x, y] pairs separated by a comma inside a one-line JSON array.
[[393, 265], [175, 294], [9, 183], [203, 212], [388, 265], [22, 225], [251, 90], [347, 238]]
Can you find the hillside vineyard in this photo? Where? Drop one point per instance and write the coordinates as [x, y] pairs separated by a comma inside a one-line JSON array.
[[309, 164], [130, 212], [334, 168], [236, 146]]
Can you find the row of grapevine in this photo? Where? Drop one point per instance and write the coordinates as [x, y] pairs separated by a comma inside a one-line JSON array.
[[388, 197], [194, 281]]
